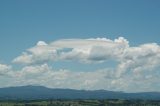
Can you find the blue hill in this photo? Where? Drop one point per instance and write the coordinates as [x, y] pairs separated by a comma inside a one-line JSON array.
[[40, 92]]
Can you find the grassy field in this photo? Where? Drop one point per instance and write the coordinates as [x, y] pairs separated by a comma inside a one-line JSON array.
[[115, 102]]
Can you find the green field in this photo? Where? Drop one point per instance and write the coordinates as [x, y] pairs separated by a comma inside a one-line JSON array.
[[114, 102]]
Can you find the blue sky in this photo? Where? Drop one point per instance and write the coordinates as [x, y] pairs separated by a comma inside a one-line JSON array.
[[25, 22]]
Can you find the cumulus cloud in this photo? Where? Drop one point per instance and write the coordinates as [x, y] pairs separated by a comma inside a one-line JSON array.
[[83, 50], [95, 50], [145, 57], [4, 69], [41, 43], [40, 53], [100, 79], [47, 76], [137, 66]]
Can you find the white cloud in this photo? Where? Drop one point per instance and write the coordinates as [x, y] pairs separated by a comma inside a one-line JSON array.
[[41, 43], [38, 54], [47, 76], [95, 50], [145, 57], [83, 50], [136, 70], [4, 69], [100, 79]]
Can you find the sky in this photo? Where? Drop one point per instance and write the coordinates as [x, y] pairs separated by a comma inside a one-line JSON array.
[[81, 44]]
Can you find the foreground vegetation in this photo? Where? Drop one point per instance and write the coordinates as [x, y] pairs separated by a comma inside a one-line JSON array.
[[111, 102]]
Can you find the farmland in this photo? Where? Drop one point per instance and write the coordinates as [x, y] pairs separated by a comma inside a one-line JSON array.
[[93, 102]]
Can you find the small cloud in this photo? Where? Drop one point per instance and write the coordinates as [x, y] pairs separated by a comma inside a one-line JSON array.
[[41, 43]]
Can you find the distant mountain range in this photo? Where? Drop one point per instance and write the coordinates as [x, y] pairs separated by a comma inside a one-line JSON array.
[[40, 92]]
